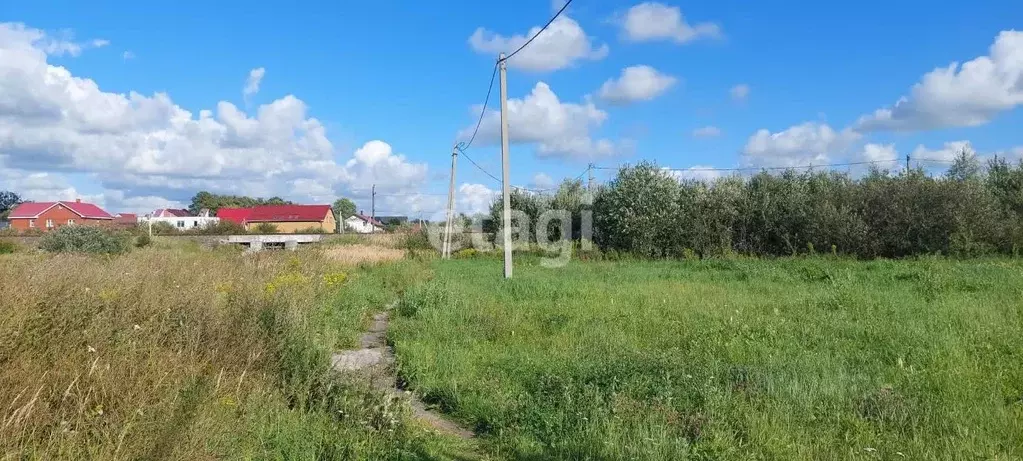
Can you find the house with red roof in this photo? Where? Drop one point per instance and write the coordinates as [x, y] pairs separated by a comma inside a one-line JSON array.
[[362, 224], [235, 215], [46, 216], [126, 219], [286, 218]]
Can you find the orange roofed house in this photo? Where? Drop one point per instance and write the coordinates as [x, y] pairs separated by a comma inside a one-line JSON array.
[[47, 216], [287, 218]]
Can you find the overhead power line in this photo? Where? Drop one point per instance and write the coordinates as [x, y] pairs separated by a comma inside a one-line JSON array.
[[587, 170], [473, 162], [462, 146], [537, 34]]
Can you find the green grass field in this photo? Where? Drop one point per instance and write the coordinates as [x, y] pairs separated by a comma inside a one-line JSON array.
[[730, 359]]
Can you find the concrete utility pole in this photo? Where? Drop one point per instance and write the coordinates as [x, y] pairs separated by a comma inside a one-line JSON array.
[[505, 175], [373, 204], [446, 251], [589, 182]]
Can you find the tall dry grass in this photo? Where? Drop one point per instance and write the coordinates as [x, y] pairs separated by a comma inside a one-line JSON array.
[[163, 354], [362, 254]]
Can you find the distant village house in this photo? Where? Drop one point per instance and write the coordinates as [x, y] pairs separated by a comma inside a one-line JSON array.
[[46, 216], [362, 224], [179, 218], [286, 218]]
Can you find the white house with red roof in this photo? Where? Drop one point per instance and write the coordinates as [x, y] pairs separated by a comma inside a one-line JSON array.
[[46, 216], [180, 219], [362, 224]]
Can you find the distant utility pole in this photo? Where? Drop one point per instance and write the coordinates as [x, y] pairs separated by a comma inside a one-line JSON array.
[[373, 203], [589, 182], [446, 251], [907, 163], [505, 175]]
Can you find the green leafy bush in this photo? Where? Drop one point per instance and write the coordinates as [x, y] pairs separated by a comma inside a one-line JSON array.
[[7, 247], [143, 241], [164, 228], [417, 240], [222, 227], [85, 239]]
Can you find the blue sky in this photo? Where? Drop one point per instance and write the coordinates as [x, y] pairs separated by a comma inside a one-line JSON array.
[[409, 75]]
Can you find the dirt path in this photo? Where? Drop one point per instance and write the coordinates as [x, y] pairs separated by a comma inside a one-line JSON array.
[[375, 359]]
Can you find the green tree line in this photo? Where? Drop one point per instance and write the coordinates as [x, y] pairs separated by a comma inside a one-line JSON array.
[[971, 210], [214, 202]]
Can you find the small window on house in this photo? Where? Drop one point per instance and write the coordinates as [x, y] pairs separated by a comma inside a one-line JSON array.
[[71, 222], [181, 224], [49, 224], [195, 223], [31, 223]]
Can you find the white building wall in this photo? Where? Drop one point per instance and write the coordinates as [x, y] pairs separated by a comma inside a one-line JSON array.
[[359, 226], [183, 222]]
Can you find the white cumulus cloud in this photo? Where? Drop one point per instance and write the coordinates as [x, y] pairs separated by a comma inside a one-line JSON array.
[[800, 145], [558, 128], [543, 181], [147, 147], [970, 94], [880, 153], [563, 44], [636, 83], [946, 153], [252, 83], [475, 198], [650, 21]]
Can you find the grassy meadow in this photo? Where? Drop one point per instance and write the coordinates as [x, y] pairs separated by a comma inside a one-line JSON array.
[[178, 352], [724, 359]]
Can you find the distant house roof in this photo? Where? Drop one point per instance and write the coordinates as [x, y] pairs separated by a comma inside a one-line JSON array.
[[126, 218], [367, 219], [171, 213], [31, 210], [236, 215], [293, 213], [275, 213]]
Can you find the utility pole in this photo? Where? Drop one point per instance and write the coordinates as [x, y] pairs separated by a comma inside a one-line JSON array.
[[446, 251], [373, 204], [505, 175], [907, 163], [589, 182]]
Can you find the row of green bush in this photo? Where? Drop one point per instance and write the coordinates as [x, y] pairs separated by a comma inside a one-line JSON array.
[[970, 210]]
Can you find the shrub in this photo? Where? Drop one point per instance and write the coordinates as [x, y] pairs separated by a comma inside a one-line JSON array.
[[143, 241], [7, 247], [265, 228], [418, 240], [220, 228], [164, 228], [84, 239], [466, 253]]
